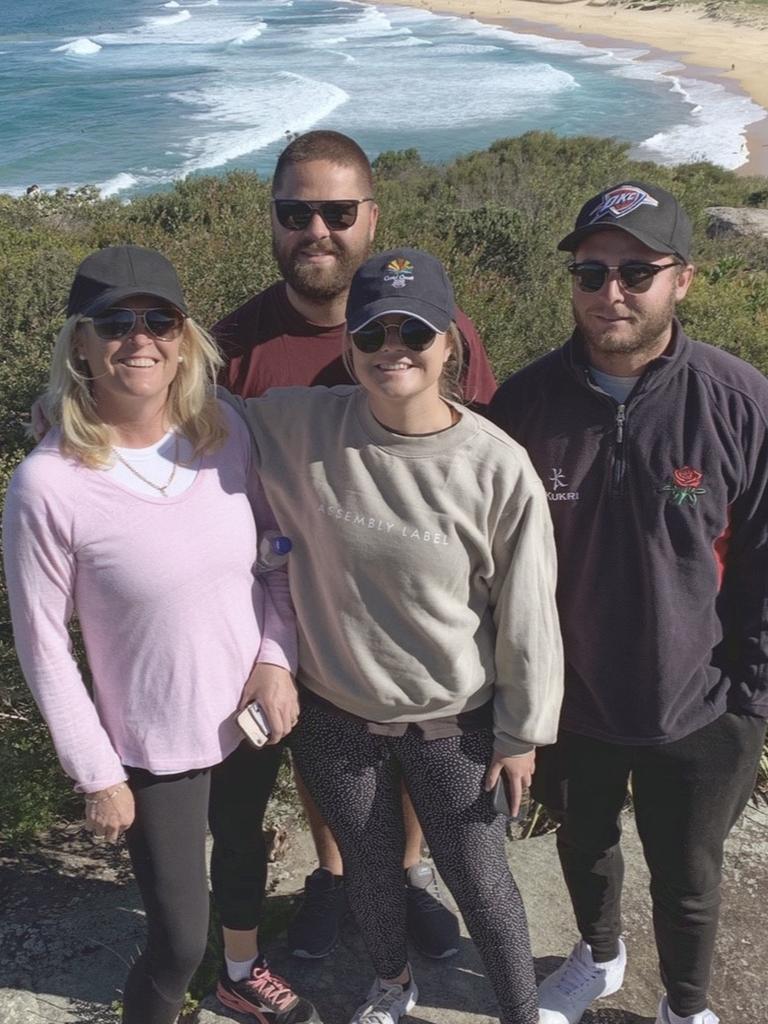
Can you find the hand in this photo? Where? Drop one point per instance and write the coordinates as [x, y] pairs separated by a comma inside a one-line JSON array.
[[273, 687], [39, 418], [111, 815], [519, 772]]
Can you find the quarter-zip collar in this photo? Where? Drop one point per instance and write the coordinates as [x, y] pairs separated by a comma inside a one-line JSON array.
[[657, 372]]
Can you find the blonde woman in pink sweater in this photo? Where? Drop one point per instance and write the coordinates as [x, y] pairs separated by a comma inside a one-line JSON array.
[[141, 512]]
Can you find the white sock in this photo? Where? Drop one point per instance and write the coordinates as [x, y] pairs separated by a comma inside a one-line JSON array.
[[239, 970], [605, 965], [675, 1018]]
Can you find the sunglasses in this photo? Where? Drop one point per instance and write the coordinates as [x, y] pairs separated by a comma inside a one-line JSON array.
[[635, 277], [414, 334], [337, 214], [114, 324]]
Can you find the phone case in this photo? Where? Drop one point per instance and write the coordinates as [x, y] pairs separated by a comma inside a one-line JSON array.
[[253, 722], [500, 797], [501, 802]]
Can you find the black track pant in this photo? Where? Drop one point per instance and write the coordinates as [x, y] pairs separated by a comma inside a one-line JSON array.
[[354, 778], [167, 848], [687, 795]]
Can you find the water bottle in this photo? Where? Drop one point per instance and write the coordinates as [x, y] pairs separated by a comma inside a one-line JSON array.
[[274, 549]]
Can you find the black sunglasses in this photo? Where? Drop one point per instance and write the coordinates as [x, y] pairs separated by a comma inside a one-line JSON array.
[[114, 324], [337, 214], [414, 334], [635, 277]]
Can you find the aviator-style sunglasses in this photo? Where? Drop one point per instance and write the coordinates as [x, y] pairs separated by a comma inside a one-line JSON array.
[[414, 334], [337, 214], [114, 324], [635, 277]]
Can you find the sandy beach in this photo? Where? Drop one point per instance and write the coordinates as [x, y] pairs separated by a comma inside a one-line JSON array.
[[734, 54]]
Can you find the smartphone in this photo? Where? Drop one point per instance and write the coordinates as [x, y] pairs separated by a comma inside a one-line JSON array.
[[502, 803], [254, 724]]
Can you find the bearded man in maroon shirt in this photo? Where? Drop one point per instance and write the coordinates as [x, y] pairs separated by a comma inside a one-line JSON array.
[[324, 218]]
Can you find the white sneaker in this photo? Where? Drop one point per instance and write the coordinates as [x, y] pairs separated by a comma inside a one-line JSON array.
[[386, 1004], [565, 994], [665, 1016]]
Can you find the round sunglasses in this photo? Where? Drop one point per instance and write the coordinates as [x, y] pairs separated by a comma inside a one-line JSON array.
[[415, 334], [114, 324], [636, 277], [337, 214]]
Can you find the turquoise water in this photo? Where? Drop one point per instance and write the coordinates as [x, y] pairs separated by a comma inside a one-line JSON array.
[[133, 95]]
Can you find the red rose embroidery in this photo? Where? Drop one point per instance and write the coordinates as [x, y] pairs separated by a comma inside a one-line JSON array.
[[687, 477], [684, 488]]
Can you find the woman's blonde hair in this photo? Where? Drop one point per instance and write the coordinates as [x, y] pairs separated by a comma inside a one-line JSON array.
[[450, 378], [192, 406]]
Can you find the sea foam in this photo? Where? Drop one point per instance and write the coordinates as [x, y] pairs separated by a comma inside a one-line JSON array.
[[250, 34], [716, 129], [119, 183], [78, 48], [258, 115]]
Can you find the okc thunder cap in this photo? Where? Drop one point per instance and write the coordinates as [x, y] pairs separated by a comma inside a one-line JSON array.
[[406, 281], [118, 272], [649, 213]]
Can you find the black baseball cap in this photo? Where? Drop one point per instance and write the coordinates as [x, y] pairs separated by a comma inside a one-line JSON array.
[[117, 272], [648, 212], [406, 281]]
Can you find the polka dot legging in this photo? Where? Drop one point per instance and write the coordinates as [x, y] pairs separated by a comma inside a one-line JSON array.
[[354, 777]]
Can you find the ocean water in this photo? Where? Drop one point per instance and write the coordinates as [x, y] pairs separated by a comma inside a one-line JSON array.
[[131, 95]]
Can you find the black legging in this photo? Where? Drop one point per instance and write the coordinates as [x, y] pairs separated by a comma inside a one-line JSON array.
[[354, 777], [167, 848], [687, 795]]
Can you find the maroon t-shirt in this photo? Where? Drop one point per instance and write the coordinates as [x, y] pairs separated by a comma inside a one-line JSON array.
[[268, 344]]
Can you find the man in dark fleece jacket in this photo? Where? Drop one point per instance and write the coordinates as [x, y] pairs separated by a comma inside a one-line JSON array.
[[654, 452]]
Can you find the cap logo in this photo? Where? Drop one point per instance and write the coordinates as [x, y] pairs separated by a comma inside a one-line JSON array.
[[401, 272], [621, 201]]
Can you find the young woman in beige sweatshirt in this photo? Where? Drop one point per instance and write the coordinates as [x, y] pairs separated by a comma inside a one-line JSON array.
[[423, 575]]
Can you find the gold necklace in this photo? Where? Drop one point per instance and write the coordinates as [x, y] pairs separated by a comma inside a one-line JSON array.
[[162, 488]]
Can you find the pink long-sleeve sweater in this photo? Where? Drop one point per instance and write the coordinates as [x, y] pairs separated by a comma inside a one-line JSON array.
[[172, 616]]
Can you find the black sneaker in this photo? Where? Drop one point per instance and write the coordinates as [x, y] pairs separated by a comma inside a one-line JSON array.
[[433, 928], [314, 930], [267, 997]]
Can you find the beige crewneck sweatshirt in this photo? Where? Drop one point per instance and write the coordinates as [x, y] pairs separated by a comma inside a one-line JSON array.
[[423, 568]]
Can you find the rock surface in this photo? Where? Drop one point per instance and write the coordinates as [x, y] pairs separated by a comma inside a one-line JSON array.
[[736, 222], [72, 919]]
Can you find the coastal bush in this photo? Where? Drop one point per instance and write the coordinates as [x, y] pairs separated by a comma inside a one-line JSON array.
[[493, 216]]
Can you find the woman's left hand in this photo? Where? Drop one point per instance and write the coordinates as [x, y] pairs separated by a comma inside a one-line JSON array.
[[273, 687], [519, 772], [110, 812]]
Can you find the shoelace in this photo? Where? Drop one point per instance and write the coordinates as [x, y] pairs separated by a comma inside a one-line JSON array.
[[576, 975], [382, 1003], [268, 986]]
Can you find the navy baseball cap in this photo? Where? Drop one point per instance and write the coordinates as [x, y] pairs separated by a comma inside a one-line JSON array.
[[117, 272], [406, 281], [649, 213]]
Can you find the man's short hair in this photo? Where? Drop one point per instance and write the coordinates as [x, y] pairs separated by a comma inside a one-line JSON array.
[[322, 145]]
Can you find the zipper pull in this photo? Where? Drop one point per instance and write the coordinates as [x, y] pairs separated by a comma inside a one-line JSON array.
[[620, 418]]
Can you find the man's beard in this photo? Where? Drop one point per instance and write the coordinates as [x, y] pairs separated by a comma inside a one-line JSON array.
[[321, 283], [648, 331]]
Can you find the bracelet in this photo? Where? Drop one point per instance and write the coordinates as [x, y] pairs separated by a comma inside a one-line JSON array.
[[92, 801]]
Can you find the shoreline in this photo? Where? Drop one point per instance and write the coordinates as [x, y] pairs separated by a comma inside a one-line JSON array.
[[706, 55]]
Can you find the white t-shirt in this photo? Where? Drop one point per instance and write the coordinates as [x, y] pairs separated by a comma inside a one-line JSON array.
[[156, 464]]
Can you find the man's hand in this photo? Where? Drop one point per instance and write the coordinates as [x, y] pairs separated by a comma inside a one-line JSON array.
[[273, 687], [39, 418], [519, 772], [110, 812]]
